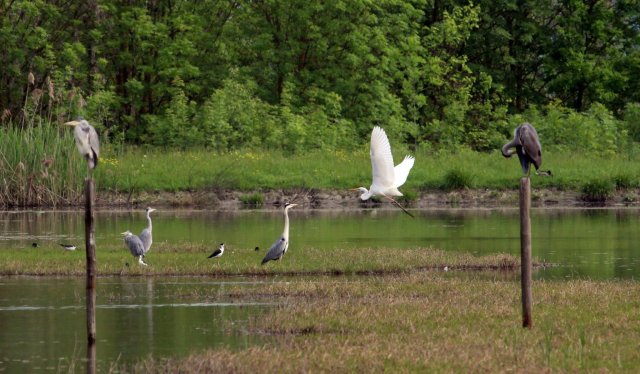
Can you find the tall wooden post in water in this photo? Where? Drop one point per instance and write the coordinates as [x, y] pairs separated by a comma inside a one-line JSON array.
[[525, 251], [90, 245]]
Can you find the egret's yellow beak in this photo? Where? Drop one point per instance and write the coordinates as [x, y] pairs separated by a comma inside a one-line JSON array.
[[353, 189], [72, 123]]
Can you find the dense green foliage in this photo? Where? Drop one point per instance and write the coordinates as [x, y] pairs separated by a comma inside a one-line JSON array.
[[298, 75]]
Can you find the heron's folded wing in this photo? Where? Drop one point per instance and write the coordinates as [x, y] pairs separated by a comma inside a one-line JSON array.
[[402, 170], [276, 250], [381, 158], [145, 238], [531, 144], [135, 245]]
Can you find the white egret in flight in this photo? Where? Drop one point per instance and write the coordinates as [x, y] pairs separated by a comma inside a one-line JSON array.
[[386, 177]]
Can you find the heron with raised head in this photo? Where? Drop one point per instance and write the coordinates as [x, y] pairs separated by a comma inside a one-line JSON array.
[[135, 246], [386, 177], [279, 248], [86, 140], [218, 252], [146, 234], [527, 145]]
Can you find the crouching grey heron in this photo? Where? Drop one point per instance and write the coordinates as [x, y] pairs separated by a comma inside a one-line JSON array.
[[146, 234], [527, 145], [279, 248], [135, 245], [386, 177], [86, 140], [218, 252]]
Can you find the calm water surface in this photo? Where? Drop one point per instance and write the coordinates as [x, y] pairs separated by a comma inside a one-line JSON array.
[[42, 320], [593, 243]]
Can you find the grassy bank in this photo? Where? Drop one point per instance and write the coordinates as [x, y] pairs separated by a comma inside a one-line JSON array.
[[137, 170], [192, 260], [429, 322]]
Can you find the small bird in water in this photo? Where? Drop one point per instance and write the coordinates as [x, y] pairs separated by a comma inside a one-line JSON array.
[[218, 252], [68, 247]]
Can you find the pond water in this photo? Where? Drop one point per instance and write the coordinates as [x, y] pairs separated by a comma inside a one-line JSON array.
[[42, 320], [593, 243], [43, 324]]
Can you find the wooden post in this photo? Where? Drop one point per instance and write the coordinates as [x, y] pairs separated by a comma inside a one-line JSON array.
[[525, 251], [90, 245]]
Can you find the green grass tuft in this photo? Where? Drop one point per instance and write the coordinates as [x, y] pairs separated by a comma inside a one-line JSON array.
[[252, 200], [597, 190], [456, 179]]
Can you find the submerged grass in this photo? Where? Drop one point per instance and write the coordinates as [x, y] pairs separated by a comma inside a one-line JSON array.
[[188, 259], [429, 322]]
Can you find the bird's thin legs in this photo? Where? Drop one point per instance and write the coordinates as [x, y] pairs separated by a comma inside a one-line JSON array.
[[140, 261], [544, 173], [399, 206]]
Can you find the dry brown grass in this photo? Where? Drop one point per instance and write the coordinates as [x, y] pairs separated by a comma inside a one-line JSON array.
[[431, 322]]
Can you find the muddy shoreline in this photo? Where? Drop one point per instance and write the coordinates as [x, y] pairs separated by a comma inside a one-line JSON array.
[[221, 199]]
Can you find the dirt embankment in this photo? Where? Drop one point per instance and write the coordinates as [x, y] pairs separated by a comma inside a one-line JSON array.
[[339, 199]]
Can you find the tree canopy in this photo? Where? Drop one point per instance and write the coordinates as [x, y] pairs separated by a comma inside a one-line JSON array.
[[297, 74]]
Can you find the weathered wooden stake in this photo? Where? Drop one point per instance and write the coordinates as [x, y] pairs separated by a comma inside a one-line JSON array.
[[90, 245], [525, 251]]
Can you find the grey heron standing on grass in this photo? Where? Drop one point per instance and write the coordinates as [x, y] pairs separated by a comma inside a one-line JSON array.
[[279, 248], [527, 145], [146, 234], [386, 177], [218, 252], [135, 245], [86, 140]]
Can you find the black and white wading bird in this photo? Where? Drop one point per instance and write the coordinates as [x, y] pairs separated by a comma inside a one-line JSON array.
[[68, 247], [279, 248], [527, 145], [218, 252], [135, 245], [386, 177], [146, 234], [86, 140]]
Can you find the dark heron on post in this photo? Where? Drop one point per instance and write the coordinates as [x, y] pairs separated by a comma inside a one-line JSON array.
[[279, 248], [527, 145]]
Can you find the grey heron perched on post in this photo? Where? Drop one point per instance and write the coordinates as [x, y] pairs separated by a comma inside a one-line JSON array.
[[279, 248], [386, 177], [86, 140], [135, 246], [527, 145], [218, 252], [146, 234]]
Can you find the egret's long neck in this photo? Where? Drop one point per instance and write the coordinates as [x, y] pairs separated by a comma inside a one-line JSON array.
[[285, 233], [149, 221], [365, 195]]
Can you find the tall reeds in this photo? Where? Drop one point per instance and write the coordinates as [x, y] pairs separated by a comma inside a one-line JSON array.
[[39, 166]]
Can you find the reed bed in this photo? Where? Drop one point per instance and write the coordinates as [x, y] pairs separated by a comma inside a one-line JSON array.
[[39, 166]]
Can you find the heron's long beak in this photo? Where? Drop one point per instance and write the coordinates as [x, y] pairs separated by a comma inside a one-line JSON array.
[[72, 123], [124, 233], [353, 189], [292, 205], [151, 210]]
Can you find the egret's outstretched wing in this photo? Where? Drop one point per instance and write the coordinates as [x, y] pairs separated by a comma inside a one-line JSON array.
[[402, 170], [381, 158], [276, 251], [135, 245]]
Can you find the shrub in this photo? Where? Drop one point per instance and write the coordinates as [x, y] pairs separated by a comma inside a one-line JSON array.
[[456, 179], [597, 190], [253, 200]]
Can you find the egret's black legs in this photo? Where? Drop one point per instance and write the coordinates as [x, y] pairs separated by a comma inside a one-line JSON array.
[[400, 206]]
